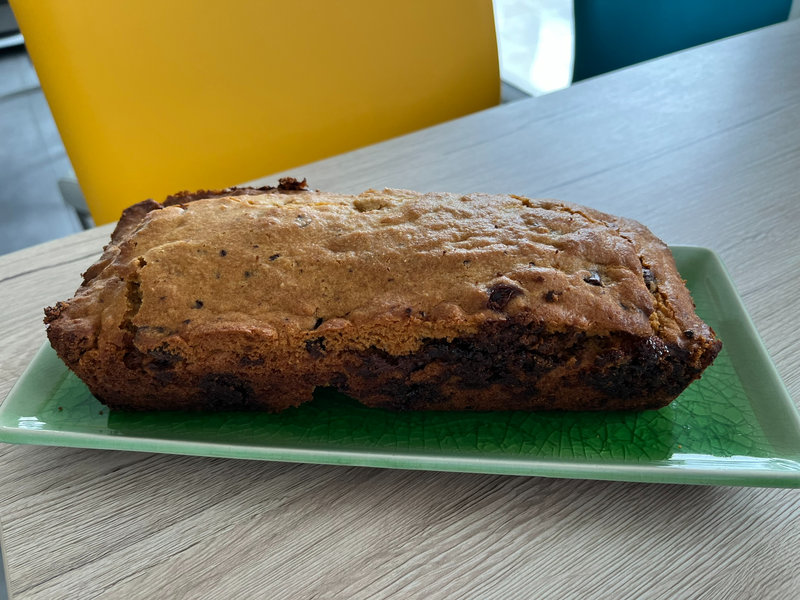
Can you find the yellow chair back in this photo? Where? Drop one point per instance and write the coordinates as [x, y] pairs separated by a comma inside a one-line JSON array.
[[154, 96]]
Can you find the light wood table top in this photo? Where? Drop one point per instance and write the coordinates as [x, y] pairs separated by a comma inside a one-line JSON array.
[[703, 146]]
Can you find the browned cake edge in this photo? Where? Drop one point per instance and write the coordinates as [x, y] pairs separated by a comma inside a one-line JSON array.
[[514, 364]]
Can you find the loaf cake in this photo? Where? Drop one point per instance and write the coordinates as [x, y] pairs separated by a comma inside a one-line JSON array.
[[251, 298]]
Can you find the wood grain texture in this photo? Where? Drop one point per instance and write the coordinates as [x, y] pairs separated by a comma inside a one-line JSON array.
[[702, 146]]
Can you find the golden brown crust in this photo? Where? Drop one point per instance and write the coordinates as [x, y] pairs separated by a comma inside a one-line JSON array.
[[252, 298]]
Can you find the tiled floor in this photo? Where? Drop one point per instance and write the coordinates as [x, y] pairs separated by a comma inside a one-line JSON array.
[[535, 39], [32, 159]]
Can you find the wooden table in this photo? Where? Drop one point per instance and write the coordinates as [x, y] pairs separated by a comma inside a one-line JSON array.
[[703, 146]]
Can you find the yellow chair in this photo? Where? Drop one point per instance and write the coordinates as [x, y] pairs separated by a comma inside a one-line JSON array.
[[155, 96]]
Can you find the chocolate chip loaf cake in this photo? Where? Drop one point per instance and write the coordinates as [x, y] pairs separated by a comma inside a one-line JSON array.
[[251, 298]]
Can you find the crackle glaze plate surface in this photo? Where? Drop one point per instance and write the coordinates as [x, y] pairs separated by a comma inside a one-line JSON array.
[[736, 426]]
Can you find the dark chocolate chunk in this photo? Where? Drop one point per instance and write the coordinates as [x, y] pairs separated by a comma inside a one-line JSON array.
[[316, 347], [593, 279], [225, 391], [198, 304], [163, 356], [552, 296], [649, 279], [223, 253], [501, 294], [292, 184], [648, 364], [274, 256], [248, 361]]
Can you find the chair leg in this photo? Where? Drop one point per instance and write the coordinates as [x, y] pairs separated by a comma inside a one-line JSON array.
[[73, 196]]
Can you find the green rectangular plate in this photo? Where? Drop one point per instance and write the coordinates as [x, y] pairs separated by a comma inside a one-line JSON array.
[[735, 426]]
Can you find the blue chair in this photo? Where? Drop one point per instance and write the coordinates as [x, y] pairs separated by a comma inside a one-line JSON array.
[[611, 34]]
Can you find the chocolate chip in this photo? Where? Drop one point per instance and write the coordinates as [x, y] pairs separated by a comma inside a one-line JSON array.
[[316, 347], [247, 361], [649, 279], [226, 391], [223, 253], [164, 356], [198, 304], [593, 279], [274, 256], [247, 274], [552, 296], [317, 323], [501, 294], [689, 334], [292, 184], [187, 321]]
